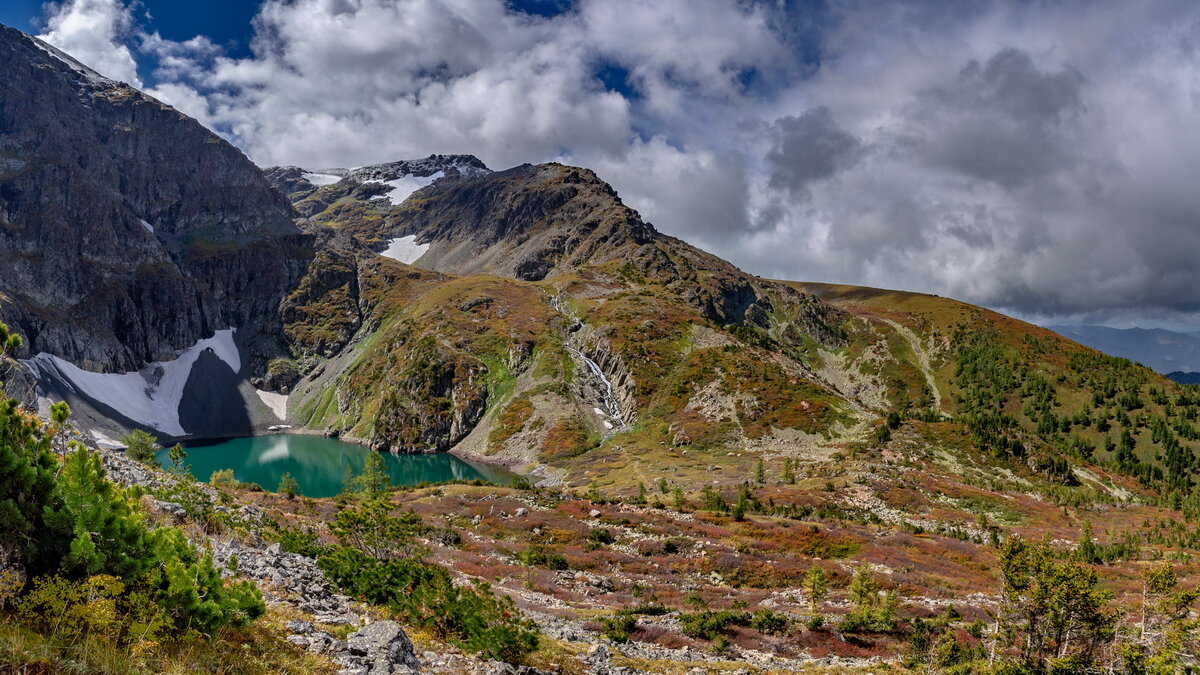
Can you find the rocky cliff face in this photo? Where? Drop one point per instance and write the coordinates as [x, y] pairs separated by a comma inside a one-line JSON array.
[[527, 222], [533, 223], [127, 230], [383, 185]]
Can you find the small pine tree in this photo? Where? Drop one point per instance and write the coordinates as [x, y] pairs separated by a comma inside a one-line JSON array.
[[28, 494], [1087, 551], [641, 495], [369, 526], [739, 510], [863, 589], [59, 413], [760, 475], [882, 435], [375, 480], [677, 499], [663, 488], [288, 487], [349, 486], [789, 471], [872, 612], [1051, 612], [177, 457], [816, 585], [9, 342], [107, 533], [140, 446], [1167, 634]]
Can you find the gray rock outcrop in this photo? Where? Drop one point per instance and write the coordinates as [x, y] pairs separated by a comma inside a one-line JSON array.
[[379, 648], [127, 229]]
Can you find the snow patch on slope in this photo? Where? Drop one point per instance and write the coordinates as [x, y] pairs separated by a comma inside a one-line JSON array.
[[106, 442], [404, 249], [148, 226], [275, 401], [149, 396], [404, 186], [321, 179]]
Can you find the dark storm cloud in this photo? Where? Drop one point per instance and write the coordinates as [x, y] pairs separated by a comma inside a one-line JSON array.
[[810, 147], [1000, 121]]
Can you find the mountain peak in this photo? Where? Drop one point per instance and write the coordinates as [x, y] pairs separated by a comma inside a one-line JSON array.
[[58, 59], [467, 165], [391, 182]]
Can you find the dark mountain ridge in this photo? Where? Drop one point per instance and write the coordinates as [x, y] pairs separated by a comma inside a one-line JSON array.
[[127, 230]]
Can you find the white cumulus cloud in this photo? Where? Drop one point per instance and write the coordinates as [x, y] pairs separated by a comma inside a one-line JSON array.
[[93, 31]]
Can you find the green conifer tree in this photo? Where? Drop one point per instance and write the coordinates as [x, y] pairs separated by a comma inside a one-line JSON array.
[[288, 487], [140, 445], [375, 481]]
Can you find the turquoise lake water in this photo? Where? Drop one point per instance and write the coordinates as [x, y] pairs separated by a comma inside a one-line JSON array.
[[318, 463]]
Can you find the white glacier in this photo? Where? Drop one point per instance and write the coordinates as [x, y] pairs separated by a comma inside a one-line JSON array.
[[149, 396]]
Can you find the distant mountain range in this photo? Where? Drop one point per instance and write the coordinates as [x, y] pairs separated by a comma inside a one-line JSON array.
[[1170, 352]]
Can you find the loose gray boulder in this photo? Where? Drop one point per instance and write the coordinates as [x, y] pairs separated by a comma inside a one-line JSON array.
[[380, 648]]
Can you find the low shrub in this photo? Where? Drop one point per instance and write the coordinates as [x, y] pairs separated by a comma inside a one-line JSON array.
[[303, 542], [768, 622], [141, 446], [649, 610], [540, 556], [421, 594], [709, 625], [619, 626]]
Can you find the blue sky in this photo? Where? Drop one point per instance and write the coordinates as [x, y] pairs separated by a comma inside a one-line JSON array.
[[227, 22], [1038, 158], [22, 14]]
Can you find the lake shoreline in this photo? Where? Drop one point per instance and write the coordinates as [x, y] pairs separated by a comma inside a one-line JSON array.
[[509, 464], [320, 464]]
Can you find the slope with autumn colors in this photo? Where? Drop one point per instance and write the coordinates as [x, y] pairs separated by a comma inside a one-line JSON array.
[[720, 471], [535, 293]]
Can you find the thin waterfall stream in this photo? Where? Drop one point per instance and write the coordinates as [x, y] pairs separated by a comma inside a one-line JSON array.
[[614, 419]]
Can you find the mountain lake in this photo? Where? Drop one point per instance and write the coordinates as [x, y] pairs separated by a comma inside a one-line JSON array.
[[319, 464]]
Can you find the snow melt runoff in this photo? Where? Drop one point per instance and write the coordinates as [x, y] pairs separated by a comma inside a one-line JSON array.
[[149, 396]]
